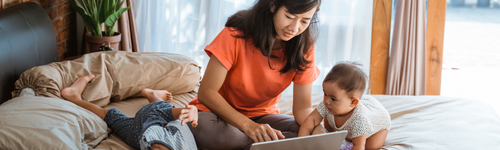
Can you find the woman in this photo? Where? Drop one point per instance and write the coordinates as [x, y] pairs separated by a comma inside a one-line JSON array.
[[252, 61]]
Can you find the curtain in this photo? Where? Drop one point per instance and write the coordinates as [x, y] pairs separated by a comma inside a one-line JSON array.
[[345, 35], [187, 26], [126, 26], [406, 72]]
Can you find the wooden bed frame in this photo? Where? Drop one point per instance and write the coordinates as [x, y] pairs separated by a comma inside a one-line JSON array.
[[381, 34]]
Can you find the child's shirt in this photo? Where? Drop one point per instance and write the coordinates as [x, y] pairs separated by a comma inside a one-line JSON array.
[[368, 117], [173, 135]]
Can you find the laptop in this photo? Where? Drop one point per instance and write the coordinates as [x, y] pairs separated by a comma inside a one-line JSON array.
[[329, 141]]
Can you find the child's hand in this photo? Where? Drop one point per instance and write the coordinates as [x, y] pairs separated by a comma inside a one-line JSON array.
[[319, 130], [190, 114]]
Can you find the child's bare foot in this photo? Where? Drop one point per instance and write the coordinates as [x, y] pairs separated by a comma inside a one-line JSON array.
[[162, 94], [74, 92]]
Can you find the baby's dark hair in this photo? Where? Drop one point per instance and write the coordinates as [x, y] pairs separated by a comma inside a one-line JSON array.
[[348, 76]]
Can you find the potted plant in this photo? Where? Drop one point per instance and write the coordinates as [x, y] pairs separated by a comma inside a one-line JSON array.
[[96, 12]]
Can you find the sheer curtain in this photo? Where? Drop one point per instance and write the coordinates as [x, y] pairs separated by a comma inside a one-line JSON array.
[[345, 35], [187, 26], [182, 26]]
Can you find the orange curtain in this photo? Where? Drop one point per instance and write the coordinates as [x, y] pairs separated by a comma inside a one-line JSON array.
[[406, 72]]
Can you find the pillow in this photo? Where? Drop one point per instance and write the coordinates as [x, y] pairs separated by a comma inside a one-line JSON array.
[[118, 75], [33, 122]]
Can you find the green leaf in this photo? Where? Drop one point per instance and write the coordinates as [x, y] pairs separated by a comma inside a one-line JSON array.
[[104, 11], [112, 19], [88, 20], [119, 6], [97, 12]]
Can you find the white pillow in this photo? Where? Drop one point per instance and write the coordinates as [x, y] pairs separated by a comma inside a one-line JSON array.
[[32, 122]]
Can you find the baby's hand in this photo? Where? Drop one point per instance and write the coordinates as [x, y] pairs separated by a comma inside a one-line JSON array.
[[190, 114]]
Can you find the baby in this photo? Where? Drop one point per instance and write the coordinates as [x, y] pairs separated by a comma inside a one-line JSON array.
[[153, 127], [365, 119]]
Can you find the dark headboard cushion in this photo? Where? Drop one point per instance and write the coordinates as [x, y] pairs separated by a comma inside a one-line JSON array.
[[27, 39]]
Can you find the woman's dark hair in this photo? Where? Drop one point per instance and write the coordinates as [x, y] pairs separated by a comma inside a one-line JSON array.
[[348, 76], [257, 24]]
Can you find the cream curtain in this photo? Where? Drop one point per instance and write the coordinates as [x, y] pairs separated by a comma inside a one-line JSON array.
[[406, 74]]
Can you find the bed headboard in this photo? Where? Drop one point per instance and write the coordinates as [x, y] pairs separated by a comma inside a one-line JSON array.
[[27, 39]]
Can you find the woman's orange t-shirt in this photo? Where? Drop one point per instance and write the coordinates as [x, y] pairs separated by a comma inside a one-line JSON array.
[[251, 87]]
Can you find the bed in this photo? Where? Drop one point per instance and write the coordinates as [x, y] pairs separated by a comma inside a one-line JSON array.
[[33, 115]]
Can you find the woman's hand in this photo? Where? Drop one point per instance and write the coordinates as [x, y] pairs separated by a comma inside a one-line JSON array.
[[190, 114], [262, 132]]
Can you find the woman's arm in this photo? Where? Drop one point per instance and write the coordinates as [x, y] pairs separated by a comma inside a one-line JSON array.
[[209, 96], [301, 102]]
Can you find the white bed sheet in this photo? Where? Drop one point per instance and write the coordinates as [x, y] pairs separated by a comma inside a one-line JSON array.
[[433, 122]]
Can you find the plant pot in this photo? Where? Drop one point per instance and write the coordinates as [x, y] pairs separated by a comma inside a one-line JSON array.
[[95, 42]]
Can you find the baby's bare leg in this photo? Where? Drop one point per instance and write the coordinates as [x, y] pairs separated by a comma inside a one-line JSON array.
[[74, 94], [376, 141], [157, 95]]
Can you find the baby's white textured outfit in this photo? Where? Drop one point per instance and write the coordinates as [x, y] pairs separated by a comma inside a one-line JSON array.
[[368, 117]]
